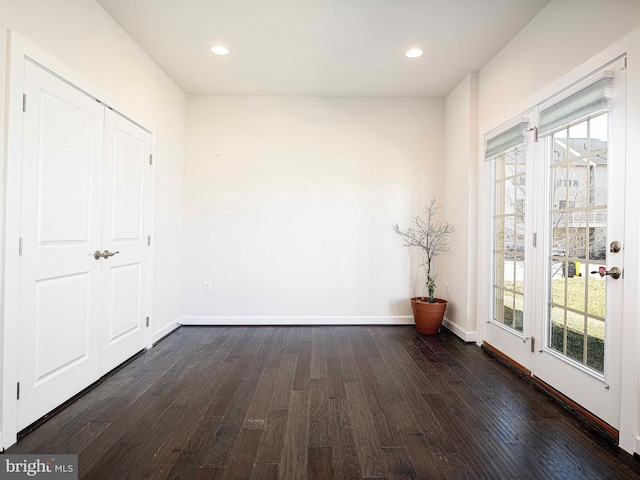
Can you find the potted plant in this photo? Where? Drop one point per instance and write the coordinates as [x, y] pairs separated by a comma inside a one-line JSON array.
[[431, 237]]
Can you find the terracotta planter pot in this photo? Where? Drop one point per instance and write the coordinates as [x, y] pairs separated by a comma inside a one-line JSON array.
[[428, 316]]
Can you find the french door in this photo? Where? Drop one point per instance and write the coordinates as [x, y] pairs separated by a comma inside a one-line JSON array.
[[558, 245], [84, 195], [512, 169], [583, 223]]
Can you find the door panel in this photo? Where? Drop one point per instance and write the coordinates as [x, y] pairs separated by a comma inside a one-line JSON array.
[[61, 324], [581, 326], [60, 228], [126, 296], [130, 159], [64, 200], [510, 322], [125, 229]]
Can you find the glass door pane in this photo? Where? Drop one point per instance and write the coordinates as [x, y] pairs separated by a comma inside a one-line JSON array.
[[578, 236], [509, 228]]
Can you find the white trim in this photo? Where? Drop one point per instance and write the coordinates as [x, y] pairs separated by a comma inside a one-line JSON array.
[[459, 332], [299, 321], [485, 245], [151, 225], [305, 321], [10, 291], [164, 331]]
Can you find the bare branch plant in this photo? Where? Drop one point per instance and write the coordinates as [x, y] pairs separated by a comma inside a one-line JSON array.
[[431, 237]]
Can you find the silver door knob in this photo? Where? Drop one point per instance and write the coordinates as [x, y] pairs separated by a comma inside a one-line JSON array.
[[614, 273], [106, 254]]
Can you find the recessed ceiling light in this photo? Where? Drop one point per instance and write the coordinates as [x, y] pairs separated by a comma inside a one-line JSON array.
[[414, 53], [219, 50]]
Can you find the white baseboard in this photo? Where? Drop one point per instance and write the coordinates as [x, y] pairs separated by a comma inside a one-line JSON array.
[[164, 331], [459, 332], [297, 321], [301, 321]]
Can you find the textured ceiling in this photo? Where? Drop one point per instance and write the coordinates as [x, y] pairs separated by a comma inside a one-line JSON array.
[[321, 47]]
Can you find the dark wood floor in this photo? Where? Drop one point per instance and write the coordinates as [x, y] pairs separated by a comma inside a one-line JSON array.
[[322, 403]]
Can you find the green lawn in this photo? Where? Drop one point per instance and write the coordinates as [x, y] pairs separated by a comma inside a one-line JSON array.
[[575, 299]]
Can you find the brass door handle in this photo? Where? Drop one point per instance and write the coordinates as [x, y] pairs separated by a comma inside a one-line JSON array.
[[106, 254]]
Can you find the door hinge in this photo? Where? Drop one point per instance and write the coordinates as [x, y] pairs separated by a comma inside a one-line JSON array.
[[148, 240], [535, 133], [20, 247], [24, 102], [535, 239], [150, 159], [18, 391], [147, 321]]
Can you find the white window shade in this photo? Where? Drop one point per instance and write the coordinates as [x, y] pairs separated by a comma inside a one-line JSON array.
[[586, 103], [502, 142]]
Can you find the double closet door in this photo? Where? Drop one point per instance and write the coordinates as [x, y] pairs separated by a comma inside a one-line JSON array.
[[84, 258]]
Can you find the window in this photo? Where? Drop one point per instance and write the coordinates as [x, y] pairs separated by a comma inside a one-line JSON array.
[[578, 234], [576, 132], [509, 188]]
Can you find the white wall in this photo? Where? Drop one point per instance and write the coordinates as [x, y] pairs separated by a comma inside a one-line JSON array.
[[289, 204], [82, 37], [460, 265], [567, 39], [564, 35]]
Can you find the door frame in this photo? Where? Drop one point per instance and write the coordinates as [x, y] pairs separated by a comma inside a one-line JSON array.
[[629, 432], [19, 50]]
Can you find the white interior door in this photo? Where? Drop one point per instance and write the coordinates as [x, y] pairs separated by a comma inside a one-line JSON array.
[[125, 229], [85, 191], [60, 228]]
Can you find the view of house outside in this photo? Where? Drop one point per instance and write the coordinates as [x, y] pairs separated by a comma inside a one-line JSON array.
[[509, 225], [578, 221]]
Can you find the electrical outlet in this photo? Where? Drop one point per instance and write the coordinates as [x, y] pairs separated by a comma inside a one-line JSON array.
[[206, 286], [446, 287]]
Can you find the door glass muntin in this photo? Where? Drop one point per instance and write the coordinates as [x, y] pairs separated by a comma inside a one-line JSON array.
[[578, 187], [509, 170]]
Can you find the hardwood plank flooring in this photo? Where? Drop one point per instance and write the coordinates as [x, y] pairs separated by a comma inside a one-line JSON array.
[[322, 403]]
